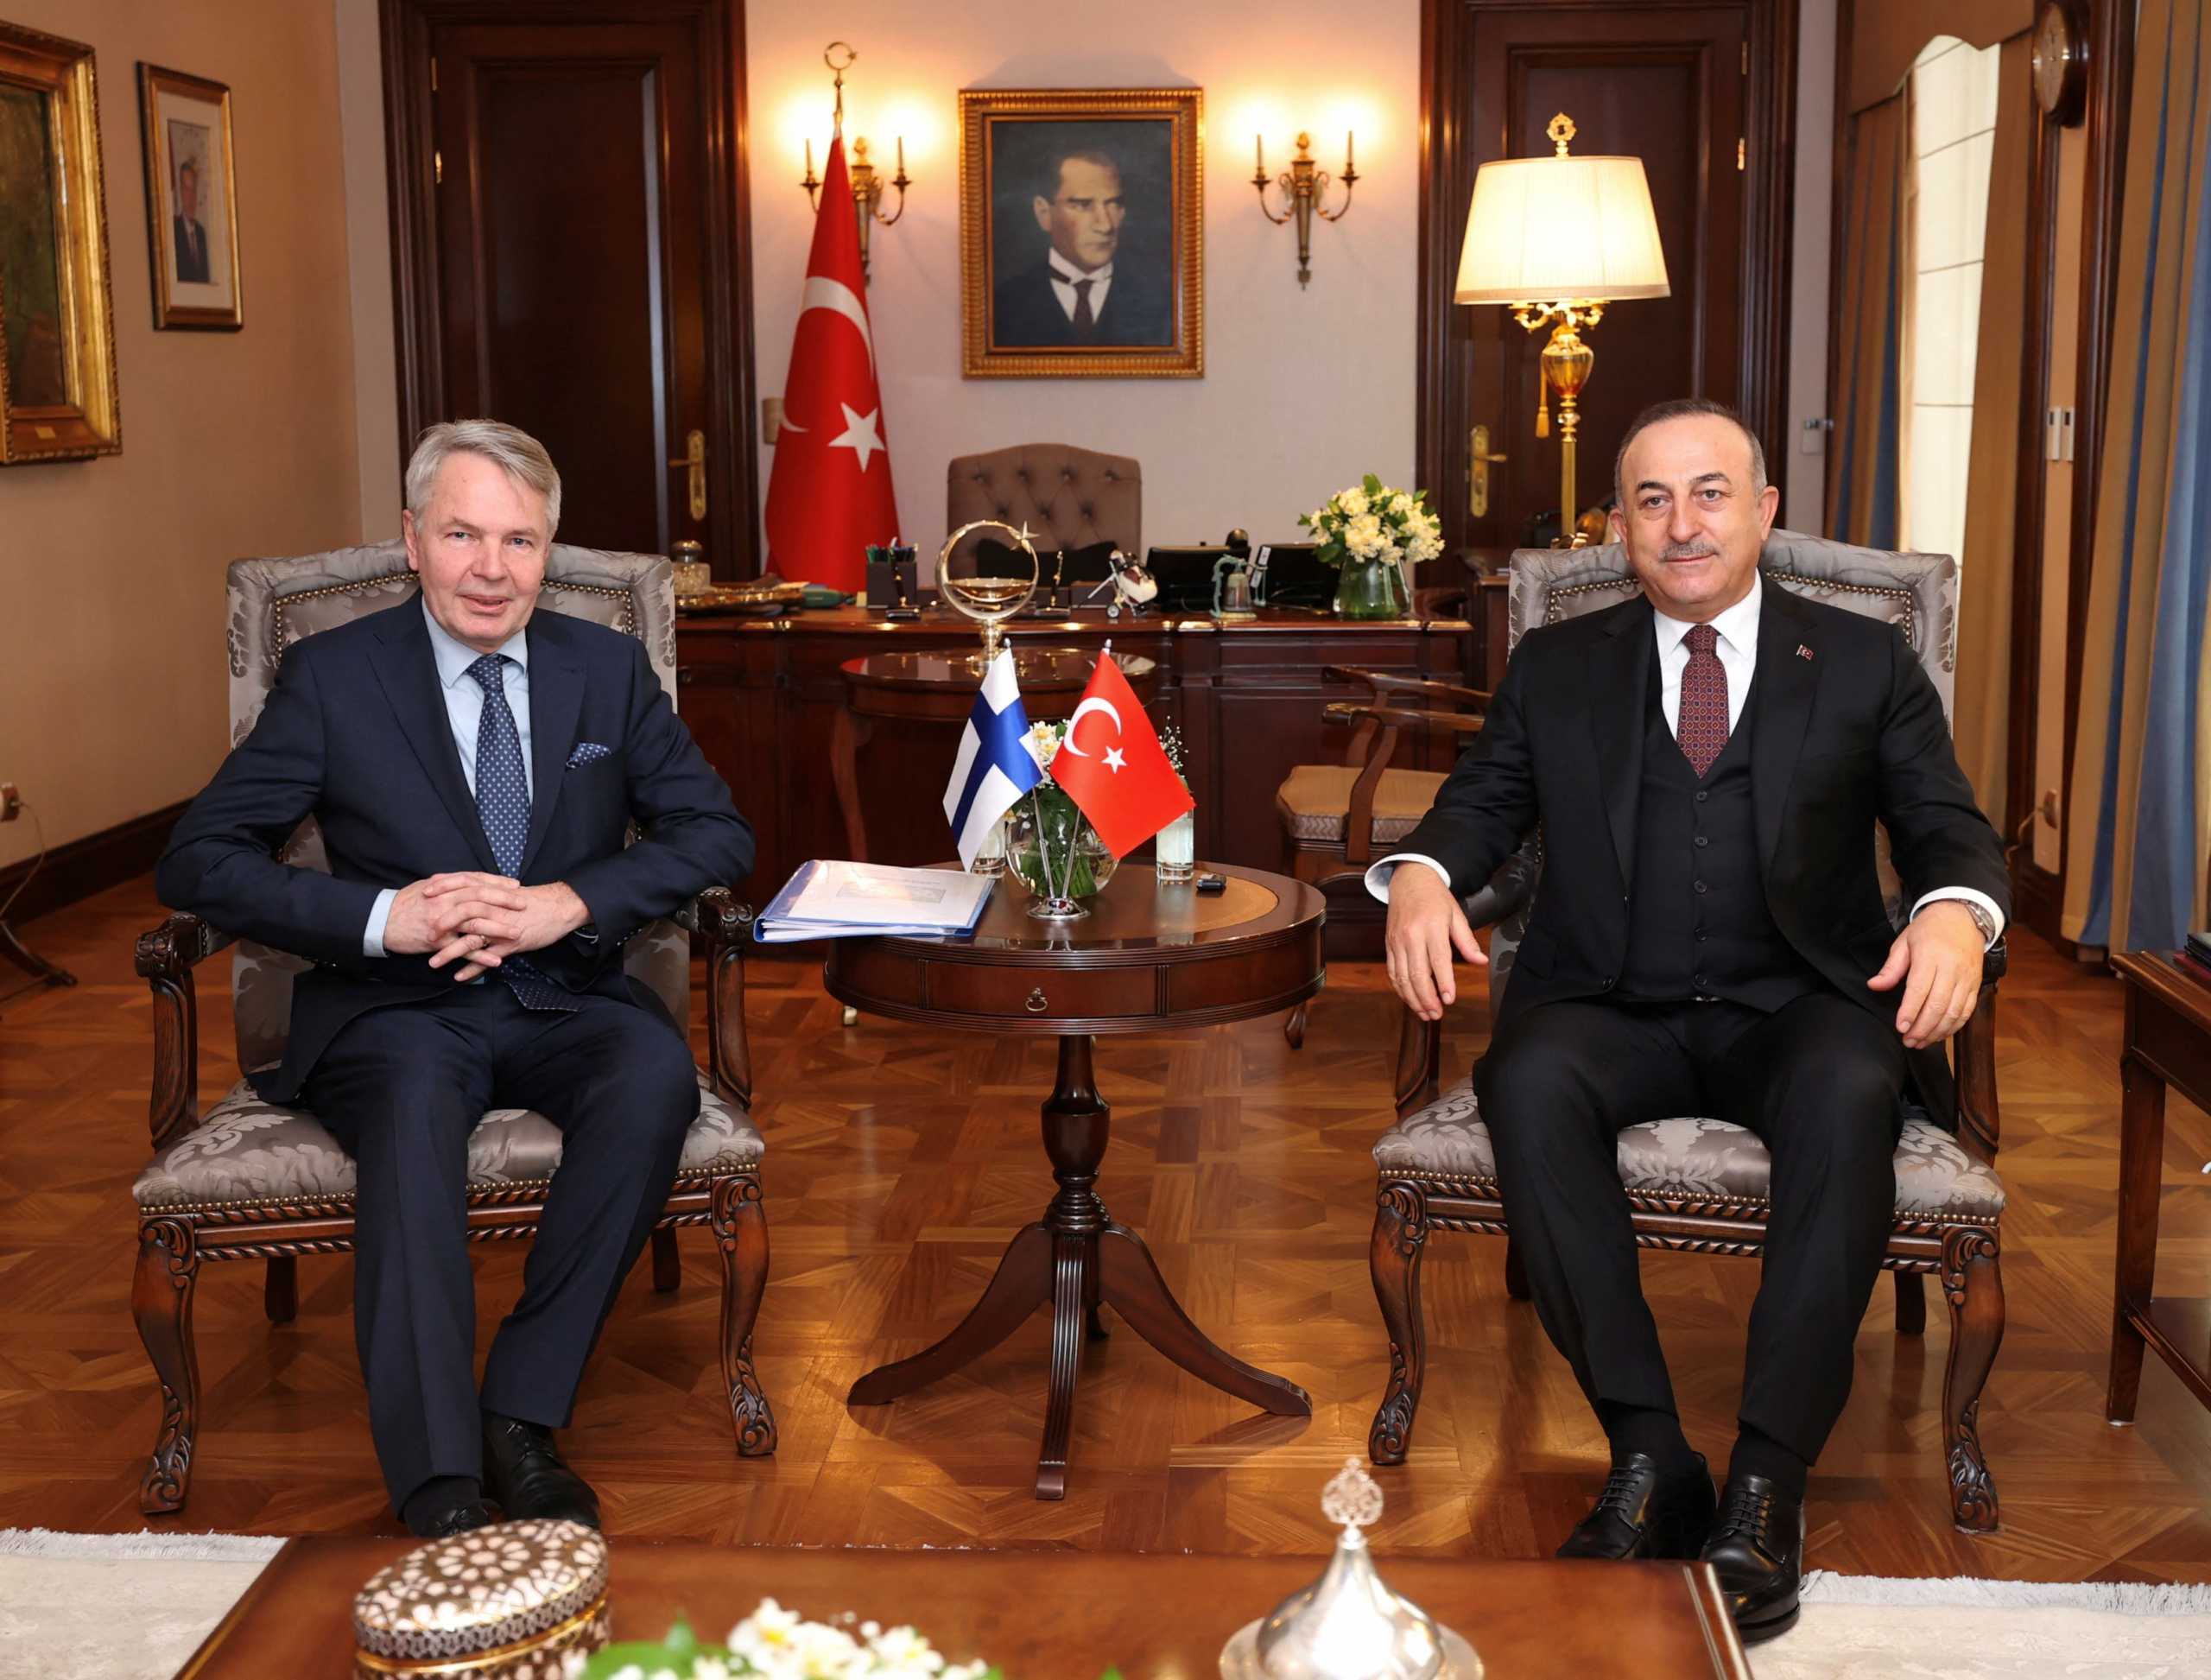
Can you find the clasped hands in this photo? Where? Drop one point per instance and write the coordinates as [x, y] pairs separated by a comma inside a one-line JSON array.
[[479, 920], [1936, 959]]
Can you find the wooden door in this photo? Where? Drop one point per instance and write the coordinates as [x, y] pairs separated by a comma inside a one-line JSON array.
[[1700, 93], [569, 240]]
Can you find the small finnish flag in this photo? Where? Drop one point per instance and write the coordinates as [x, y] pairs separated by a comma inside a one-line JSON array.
[[994, 766]]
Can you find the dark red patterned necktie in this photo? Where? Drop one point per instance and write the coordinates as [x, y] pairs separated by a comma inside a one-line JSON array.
[[1702, 730]]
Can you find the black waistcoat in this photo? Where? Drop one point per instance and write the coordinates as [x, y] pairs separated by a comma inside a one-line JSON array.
[[1698, 925]]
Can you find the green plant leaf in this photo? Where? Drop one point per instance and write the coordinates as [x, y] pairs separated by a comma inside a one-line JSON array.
[[1373, 485]]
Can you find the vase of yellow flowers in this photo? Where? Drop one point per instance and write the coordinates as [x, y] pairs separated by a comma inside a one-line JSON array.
[[1372, 533]]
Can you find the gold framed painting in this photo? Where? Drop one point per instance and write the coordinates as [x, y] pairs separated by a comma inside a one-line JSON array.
[[191, 209], [59, 398], [1081, 233]]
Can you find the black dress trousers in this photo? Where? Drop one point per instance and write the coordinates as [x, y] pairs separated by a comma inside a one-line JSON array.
[[401, 1088], [1818, 1079]]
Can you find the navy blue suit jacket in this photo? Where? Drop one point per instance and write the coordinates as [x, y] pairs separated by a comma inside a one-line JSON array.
[[355, 734]]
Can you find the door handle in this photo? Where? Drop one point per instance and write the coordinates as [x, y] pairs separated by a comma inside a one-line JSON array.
[[696, 459], [1478, 461]]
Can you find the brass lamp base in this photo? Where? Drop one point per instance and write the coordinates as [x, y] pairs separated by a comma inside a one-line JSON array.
[[1567, 362]]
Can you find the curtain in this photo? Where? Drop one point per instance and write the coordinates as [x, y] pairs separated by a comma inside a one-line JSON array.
[[1864, 487], [2138, 830], [1983, 711]]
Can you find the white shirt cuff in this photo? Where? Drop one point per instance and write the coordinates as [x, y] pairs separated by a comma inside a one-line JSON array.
[[1971, 897], [379, 914], [1378, 875]]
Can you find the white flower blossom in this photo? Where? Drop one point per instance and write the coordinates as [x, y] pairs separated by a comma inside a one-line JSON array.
[[1400, 503], [1353, 502]]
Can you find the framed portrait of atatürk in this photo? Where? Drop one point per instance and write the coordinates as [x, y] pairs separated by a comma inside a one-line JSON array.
[[192, 211], [58, 385], [1081, 233]]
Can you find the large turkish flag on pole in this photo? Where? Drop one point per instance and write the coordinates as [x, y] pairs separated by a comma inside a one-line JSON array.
[[1113, 765], [829, 491]]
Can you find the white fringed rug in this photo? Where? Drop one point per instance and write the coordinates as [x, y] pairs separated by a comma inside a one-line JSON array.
[[60, 1594]]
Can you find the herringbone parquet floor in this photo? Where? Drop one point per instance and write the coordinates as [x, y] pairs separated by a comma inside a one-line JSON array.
[[900, 1163]]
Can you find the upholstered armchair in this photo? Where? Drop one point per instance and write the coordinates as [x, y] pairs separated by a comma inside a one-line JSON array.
[[246, 1180], [1069, 498], [1697, 1184]]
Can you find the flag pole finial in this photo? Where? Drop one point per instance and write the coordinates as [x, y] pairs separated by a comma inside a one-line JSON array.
[[838, 66]]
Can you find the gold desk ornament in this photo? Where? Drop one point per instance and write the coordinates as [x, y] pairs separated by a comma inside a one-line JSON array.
[[989, 601], [513, 1601], [1348, 1625]]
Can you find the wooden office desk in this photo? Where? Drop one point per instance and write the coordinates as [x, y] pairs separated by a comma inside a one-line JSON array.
[[2168, 1043]]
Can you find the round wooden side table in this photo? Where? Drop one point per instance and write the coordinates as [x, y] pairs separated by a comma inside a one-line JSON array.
[[939, 686], [1148, 958]]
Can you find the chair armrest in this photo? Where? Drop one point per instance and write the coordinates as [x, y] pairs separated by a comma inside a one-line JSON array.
[[724, 922], [1980, 1119], [1381, 682], [166, 957], [1346, 711]]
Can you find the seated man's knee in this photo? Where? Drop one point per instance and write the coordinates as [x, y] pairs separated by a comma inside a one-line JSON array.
[[1524, 1071], [661, 1079]]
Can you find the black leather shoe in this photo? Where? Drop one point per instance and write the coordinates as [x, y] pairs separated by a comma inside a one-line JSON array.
[[442, 1520], [1645, 1513], [1757, 1551], [524, 1472]]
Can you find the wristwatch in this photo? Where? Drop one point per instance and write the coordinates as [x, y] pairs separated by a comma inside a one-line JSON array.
[[1981, 919]]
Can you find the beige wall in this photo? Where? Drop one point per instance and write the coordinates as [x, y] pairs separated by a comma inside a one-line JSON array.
[[1304, 390], [112, 677]]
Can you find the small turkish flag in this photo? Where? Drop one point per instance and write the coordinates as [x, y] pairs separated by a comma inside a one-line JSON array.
[[829, 492], [1113, 765]]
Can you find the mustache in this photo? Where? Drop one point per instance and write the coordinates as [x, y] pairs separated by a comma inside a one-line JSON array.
[[1697, 550]]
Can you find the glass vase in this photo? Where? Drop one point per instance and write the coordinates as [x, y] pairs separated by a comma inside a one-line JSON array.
[[1054, 852], [1369, 589]]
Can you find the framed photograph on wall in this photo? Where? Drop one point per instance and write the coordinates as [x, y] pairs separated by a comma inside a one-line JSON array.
[[1081, 233], [57, 386], [192, 213]]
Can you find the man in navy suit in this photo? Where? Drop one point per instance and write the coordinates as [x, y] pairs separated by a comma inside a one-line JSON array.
[[474, 765], [1083, 290]]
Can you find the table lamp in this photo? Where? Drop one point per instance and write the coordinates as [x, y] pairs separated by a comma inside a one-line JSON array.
[[1554, 240]]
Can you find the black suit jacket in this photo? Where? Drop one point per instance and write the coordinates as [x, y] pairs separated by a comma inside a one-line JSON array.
[[1846, 726], [1026, 312], [355, 734], [191, 257]]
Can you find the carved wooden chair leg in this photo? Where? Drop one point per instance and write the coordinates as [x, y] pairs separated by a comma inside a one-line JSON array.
[[741, 1231], [1911, 1303], [667, 1262], [1400, 1234], [1293, 1030], [160, 1299], [1516, 1272], [1973, 1283], [279, 1290]]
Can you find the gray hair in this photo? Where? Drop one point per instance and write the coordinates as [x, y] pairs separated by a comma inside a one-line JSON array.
[[509, 448], [1684, 408]]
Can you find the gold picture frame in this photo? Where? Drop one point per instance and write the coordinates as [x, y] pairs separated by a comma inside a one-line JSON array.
[[58, 393], [192, 201], [1126, 189]]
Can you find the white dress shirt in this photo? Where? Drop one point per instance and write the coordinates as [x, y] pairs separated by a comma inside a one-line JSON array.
[[464, 698], [1737, 648], [1065, 273]]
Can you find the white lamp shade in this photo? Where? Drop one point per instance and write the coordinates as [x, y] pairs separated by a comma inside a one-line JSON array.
[[1550, 229]]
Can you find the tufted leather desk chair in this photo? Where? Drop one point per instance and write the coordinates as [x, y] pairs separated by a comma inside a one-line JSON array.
[[1696, 1184], [248, 1180], [1069, 498]]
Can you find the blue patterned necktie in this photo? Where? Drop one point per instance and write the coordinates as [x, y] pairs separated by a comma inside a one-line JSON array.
[[502, 806]]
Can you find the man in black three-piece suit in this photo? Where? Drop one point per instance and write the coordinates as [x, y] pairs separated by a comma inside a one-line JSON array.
[[1706, 763], [474, 765], [1078, 293]]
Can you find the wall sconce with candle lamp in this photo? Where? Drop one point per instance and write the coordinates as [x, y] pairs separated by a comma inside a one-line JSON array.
[[867, 184], [1303, 187]]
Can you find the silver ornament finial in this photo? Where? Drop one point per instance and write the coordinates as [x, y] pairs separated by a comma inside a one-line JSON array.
[[1353, 1498]]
